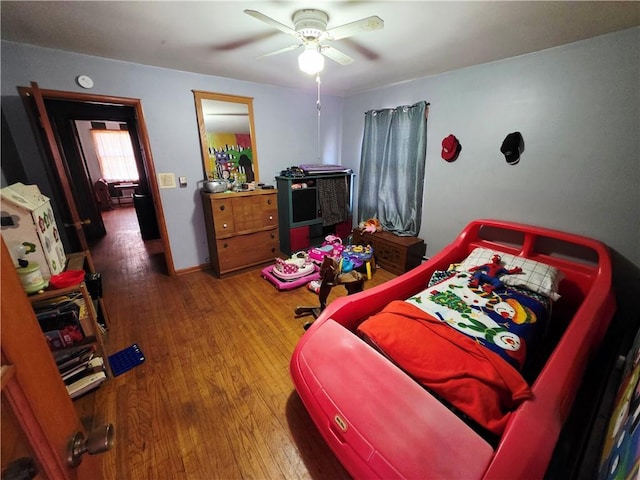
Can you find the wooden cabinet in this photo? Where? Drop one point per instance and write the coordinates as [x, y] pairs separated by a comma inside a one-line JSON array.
[[392, 252], [301, 222], [242, 229]]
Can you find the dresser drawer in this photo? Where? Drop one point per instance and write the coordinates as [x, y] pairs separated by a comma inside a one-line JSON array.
[[251, 213], [245, 250], [223, 216]]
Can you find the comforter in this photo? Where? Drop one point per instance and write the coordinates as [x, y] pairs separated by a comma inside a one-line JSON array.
[[465, 345]]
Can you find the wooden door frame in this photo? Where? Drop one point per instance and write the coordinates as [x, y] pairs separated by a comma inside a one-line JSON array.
[[143, 138]]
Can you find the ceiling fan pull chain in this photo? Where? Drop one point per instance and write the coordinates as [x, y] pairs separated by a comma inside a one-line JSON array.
[[318, 107]]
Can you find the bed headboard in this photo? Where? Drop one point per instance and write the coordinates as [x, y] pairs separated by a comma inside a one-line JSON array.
[[585, 262]]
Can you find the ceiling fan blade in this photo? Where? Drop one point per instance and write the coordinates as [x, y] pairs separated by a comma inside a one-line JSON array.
[[270, 21], [356, 47], [363, 25], [335, 55], [243, 42], [282, 50]]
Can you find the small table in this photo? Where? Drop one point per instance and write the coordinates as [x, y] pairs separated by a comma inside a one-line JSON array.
[[126, 190]]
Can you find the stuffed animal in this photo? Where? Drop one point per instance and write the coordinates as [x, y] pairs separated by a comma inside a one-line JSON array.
[[489, 274], [371, 226]]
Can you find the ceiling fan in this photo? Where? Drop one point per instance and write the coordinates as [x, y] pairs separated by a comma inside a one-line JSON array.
[[310, 28]]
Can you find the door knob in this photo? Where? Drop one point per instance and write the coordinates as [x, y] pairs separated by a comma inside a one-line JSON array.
[[99, 441]]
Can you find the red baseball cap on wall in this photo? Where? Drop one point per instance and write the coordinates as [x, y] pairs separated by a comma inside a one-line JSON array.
[[450, 148]]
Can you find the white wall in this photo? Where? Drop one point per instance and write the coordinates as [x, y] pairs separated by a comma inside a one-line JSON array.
[[578, 109], [285, 123]]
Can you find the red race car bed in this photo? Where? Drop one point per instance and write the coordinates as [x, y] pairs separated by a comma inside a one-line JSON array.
[[464, 367]]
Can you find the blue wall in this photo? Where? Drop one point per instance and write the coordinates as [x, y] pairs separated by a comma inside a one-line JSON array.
[[578, 109], [577, 106], [285, 123]]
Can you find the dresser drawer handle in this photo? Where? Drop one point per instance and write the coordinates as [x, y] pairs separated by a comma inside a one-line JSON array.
[[270, 217], [269, 201], [273, 250], [221, 207], [273, 236], [224, 225], [225, 245]]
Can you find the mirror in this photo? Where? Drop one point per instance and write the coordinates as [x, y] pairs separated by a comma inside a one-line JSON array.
[[225, 123]]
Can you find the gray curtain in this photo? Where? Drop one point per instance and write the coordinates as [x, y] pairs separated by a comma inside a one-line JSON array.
[[392, 167]]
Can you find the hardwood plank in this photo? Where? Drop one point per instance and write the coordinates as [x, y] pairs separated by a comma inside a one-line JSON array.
[[214, 398]]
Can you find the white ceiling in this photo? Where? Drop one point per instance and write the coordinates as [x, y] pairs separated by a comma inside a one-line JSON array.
[[420, 38]]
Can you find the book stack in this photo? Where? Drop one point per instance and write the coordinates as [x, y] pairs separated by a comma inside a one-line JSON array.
[[81, 370], [60, 321]]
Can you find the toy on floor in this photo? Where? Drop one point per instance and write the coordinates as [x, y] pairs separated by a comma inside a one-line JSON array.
[[314, 286], [332, 247], [330, 276], [356, 256], [292, 272], [126, 359]]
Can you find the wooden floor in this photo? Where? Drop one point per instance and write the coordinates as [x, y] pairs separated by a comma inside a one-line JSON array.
[[213, 399]]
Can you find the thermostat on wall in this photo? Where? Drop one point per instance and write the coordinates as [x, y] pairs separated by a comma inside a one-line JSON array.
[[84, 81]]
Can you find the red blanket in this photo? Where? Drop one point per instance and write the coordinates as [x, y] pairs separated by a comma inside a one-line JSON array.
[[470, 377]]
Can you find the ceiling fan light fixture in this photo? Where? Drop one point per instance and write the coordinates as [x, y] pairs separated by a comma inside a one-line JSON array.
[[311, 60]]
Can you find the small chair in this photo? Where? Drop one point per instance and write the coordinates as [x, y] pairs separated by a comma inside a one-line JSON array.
[[331, 276]]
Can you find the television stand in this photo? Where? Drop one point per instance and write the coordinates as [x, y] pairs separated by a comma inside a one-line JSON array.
[[300, 218]]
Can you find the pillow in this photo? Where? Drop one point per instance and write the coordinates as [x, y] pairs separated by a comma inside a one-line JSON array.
[[536, 276]]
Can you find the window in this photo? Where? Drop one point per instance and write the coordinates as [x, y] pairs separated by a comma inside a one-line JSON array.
[[115, 155]]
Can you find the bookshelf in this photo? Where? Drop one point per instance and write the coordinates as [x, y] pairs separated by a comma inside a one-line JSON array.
[[69, 320]]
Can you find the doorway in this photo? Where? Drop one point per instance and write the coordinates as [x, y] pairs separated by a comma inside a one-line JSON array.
[[78, 153], [63, 109]]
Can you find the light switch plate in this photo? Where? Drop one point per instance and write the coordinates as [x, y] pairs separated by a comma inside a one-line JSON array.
[[182, 181], [167, 180]]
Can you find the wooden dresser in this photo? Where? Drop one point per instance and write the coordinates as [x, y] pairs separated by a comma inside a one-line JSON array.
[[242, 229], [393, 253]]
